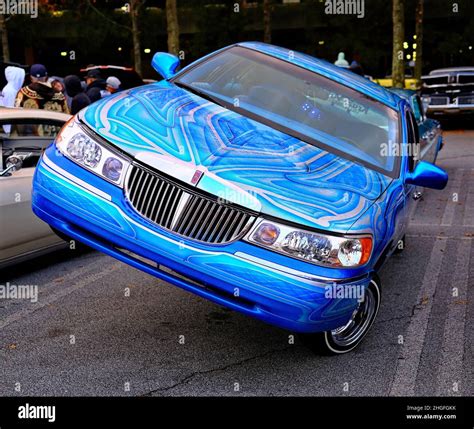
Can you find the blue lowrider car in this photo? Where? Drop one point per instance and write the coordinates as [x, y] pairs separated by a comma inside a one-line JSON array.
[[262, 179]]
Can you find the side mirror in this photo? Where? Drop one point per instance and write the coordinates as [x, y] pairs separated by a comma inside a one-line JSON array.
[[165, 64], [428, 176]]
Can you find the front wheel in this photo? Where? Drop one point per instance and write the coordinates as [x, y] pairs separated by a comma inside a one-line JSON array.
[[346, 338]]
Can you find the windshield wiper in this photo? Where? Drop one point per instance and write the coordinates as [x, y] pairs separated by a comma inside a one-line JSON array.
[[201, 93]]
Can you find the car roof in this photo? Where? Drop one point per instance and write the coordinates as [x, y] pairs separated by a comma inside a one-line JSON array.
[[404, 93], [324, 68], [20, 113], [85, 69], [452, 70]]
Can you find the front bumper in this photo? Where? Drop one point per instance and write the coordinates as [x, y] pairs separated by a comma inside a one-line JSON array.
[[450, 109], [273, 288]]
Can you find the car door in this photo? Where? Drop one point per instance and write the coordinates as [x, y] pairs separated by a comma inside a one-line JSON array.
[[22, 233]]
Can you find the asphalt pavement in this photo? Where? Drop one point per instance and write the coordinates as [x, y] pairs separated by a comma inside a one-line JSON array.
[[101, 327]]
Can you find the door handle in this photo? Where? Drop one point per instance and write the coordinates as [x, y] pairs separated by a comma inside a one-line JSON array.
[[417, 195]]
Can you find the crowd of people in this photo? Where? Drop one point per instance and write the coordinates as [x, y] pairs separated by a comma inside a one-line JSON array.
[[68, 95]]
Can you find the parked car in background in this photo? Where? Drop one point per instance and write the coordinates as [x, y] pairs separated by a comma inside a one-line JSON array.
[[23, 235], [431, 136], [128, 77], [449, 92], [262, 179]]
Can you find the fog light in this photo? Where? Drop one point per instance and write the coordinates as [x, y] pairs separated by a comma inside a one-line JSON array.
[[350, 253], [112, 169], [266, 234]]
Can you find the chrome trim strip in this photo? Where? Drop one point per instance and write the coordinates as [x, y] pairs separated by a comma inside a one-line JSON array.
[[296, 273], [57, 169]]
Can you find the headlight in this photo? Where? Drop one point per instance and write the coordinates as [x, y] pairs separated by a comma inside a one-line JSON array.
[[321, 249], [75, 142]]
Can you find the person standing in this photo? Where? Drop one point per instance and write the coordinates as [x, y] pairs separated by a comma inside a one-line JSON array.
[[15, 77], [341, 60], [95, 84], [112, 85], [39, 94], [75, 95]]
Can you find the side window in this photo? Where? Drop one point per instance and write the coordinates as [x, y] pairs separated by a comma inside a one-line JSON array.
[[413, 139], [417, 109], [26, 139], [25, 129]]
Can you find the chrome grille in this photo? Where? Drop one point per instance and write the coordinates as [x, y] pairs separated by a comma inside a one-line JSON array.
[[184, 211], [466, 99], [439, 101]]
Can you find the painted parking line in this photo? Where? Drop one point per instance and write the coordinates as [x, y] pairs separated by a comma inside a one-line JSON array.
[[409, 359], [85, 278], [451, 203], [450, 375], [468, 217]]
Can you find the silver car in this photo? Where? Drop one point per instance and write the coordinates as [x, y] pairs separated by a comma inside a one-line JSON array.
[[25, 133]]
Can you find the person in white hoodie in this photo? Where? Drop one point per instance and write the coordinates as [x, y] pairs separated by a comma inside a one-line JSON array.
[[15, 77]]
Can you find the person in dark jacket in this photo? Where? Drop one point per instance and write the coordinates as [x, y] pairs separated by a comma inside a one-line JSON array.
[[94, 94], [94, 80], [39, 94], [75, 96], [356, 68]]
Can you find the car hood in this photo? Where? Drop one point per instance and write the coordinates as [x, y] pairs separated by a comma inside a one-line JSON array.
[[239, 159]]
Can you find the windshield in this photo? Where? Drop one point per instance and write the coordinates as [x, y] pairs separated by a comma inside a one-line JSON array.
[[300, 103]]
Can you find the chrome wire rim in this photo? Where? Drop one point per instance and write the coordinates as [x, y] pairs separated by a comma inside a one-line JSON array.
[[359, 323]]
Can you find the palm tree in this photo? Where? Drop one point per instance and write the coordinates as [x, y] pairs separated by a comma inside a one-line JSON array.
[[398, 58], [172, 26]]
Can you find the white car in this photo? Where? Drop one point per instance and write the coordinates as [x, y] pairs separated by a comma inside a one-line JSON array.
[[24, 134]]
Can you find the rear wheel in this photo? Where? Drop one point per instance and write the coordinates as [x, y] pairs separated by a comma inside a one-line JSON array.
[[346, 338]]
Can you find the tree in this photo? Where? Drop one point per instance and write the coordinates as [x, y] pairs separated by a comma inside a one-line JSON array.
[[267, 21], [419, 41], [135, 6], [3, 30], [172, 26], [398, 57]]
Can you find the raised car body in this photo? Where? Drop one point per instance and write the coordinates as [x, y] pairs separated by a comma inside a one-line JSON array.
[[184, 182]]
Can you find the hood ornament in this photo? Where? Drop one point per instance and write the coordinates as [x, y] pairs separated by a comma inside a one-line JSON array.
[[196, 177]]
